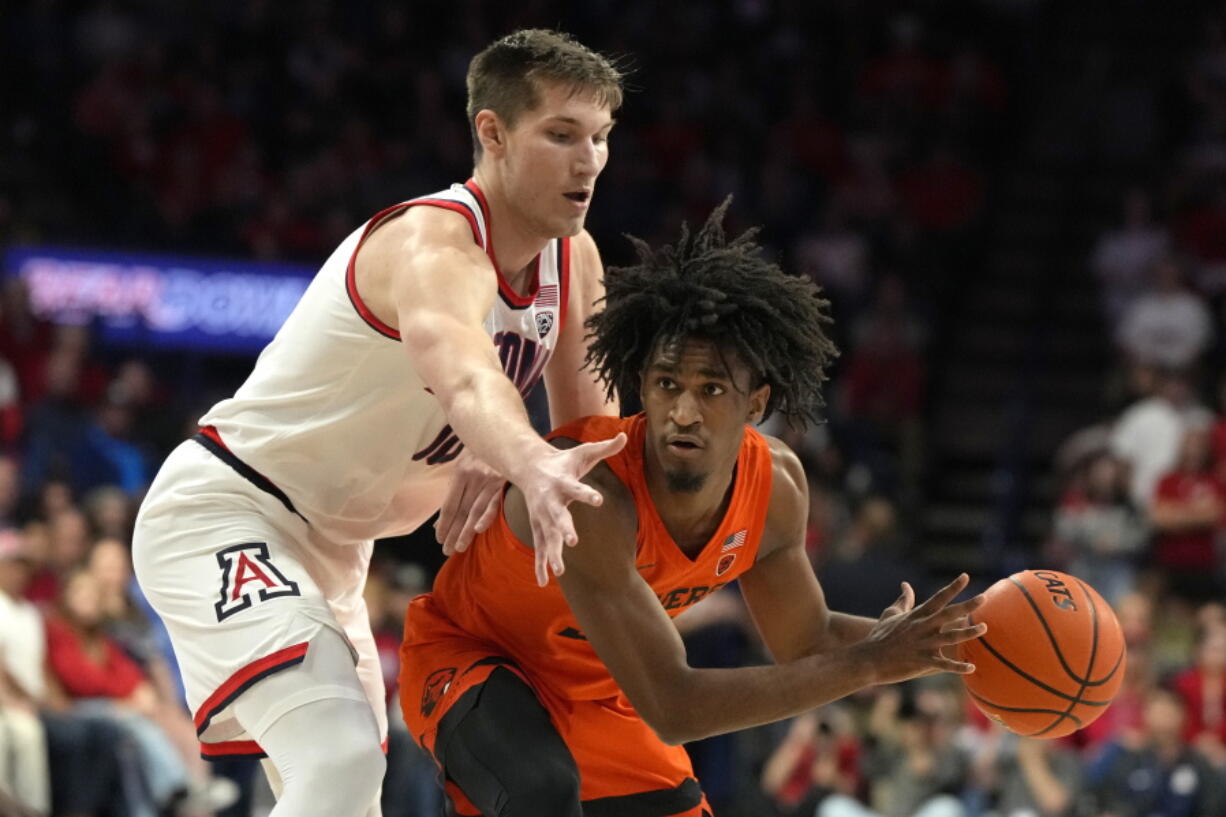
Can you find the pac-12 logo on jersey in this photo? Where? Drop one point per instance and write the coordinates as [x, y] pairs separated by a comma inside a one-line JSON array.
[[544, 322], [248, 576]]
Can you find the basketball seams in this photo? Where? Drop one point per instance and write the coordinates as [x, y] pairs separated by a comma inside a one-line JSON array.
[[1022, 709], [983, 641], [1047, 629], [1089, 666]]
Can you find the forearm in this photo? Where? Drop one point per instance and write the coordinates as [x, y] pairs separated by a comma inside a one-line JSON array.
[[843, 629], [487, 412], [705, 702]]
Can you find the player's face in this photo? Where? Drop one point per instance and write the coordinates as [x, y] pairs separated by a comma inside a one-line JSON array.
[[553, 155], [697, 402]]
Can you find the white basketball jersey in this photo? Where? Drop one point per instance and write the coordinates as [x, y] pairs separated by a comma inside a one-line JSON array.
[[334, 414]]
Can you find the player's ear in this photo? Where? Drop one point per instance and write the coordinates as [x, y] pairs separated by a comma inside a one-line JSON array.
[[758, 399], [491, 132]]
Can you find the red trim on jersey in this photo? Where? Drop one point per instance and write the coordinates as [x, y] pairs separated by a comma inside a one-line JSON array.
[[237, 683], [563, 280], [351, 285], [351, 282], [513, 298]]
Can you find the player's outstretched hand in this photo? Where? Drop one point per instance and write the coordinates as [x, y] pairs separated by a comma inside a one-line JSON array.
[[471, 504], [552, 483], [907, 641]]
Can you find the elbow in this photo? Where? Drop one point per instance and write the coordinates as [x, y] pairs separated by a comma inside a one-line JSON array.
[[669, 716], [672, 731]]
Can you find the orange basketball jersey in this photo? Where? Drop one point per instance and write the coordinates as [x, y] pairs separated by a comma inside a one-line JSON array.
[[490, 591]]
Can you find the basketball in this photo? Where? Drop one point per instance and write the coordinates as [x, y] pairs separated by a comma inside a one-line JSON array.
[[1052, 658]]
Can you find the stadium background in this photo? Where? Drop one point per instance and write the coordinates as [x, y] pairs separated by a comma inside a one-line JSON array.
[[1015, 206]]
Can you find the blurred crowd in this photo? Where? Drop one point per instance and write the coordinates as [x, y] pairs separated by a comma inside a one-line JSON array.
[[865, 139]]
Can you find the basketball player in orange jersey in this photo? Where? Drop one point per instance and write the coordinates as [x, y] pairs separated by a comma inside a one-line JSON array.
[[415, 340], [571, 700]]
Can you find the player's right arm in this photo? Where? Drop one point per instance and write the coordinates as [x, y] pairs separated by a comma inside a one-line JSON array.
[[442, 286], [626, 625]]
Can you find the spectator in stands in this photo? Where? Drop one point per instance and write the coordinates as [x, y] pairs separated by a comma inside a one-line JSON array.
[[23, 749], [79, 765], [1148, 434], [1169, 325], [914, 767], [104, 455], [110, 513], [1125, 257], [1030, 776], [1203, 690], [819, 756], [131, 622], [1098, 531], [1158, 775], [1187, 511], [102, 680]]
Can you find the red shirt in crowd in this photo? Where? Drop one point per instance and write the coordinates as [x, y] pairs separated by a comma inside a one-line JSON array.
[[1188, 550], [1205, 704], [112, 674]]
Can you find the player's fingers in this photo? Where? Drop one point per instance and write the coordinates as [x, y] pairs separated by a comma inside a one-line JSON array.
[[900, 604], [589, 454], [445, 526], [943, 664], [540, 552], [907, 600], [965, 608], [578, 492], [479, 512], [492, 504], [944, 596], [959, 634]]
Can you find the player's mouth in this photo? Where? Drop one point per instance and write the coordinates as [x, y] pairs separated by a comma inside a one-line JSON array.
[[684, 445], [580, 198]]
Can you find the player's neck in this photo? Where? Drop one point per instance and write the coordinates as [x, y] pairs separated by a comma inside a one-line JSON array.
[[691, 517], [516, 244]]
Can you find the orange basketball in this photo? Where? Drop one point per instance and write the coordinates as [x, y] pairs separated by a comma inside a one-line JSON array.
[[1052, 658]]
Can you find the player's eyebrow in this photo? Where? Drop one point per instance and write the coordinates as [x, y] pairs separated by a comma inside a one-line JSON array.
[[570, 120]]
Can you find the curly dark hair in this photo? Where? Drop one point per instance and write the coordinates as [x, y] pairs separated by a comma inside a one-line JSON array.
[[723, 291]]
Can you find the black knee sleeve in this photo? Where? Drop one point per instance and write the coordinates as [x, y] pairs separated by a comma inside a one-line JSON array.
[[501, 748]]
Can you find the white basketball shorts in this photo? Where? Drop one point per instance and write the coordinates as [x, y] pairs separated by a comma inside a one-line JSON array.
[[243, 583]]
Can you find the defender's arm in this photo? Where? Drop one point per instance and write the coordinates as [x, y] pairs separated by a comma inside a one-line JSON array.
[[442, 287]]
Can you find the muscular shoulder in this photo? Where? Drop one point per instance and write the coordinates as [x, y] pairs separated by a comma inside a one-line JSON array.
[[419, 229], [788, 513]]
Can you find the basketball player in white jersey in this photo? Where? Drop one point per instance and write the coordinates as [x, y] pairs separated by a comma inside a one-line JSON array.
[[416, 340]]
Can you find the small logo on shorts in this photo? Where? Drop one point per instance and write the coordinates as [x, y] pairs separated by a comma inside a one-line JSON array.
[[725, 562], [248, 576], [436, 687]]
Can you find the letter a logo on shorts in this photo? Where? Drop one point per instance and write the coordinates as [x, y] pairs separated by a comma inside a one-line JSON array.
[[248, 576]]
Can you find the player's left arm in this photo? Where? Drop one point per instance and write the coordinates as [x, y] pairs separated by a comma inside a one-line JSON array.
[[781, 590], [573, 390]]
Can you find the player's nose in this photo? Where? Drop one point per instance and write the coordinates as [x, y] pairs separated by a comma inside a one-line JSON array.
[[685, 410]]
